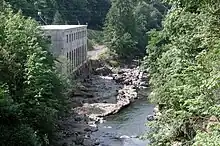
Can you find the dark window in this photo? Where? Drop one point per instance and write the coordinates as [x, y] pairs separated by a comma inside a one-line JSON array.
[[70, 55], [67, 38], [72, 59]]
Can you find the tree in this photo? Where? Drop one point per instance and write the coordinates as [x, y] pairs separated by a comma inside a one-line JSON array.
[[127, 25], [58, 20], [182, 61], [120, 28], [92, 12], [146, 17], [98, 11], [31, 92]]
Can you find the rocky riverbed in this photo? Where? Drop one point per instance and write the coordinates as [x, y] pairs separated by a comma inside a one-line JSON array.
[[103, 93]]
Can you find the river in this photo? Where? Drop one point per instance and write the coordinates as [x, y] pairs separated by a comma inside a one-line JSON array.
[[122, 128]]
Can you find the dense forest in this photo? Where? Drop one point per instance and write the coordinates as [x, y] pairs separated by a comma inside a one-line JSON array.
[[179, 39], [32, 92], [183, 62], [127, 24], [72, 12]]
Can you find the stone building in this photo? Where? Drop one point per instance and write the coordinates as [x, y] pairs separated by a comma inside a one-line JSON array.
[[68, 42]]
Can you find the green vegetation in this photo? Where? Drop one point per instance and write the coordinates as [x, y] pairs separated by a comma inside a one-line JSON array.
[[96, 36], [182, 58], [92, 12], [31, 91], [127, 25], [183, 62]]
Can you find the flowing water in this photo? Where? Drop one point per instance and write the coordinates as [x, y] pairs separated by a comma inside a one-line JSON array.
[[122, 129]]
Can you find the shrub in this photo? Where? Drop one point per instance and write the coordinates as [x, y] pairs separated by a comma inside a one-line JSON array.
[[183, 61], [31, 93]]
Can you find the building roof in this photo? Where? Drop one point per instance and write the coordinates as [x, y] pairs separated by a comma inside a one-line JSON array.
[[61, 27]]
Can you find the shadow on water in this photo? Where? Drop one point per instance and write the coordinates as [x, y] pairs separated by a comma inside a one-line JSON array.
[[122, 129]]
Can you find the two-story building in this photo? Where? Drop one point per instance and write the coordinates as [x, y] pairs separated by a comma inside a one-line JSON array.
[[69, 41]]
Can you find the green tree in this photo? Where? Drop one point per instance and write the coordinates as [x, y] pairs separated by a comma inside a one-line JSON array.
[[92, 12], [182, 61], [98, 10], [31, 92], [58, 20], [146, 17], [120, 28]]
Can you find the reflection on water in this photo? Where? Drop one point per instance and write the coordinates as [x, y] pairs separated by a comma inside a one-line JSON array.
[[122, 128]]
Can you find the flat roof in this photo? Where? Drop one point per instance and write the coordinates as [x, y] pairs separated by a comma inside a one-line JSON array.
[[61, 27]]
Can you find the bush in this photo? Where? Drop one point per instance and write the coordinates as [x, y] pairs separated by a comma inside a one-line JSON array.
[[31, 93], [183, 61]]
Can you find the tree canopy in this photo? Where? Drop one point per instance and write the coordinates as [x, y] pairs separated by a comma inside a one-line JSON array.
[[31, 92], [127, 24], [92, 12], [182, 60]]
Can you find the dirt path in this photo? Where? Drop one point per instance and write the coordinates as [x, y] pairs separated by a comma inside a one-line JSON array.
[[94, 54]]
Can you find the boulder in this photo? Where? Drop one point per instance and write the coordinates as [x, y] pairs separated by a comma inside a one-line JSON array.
[[88, 142], [79, 139], [97, 142], [103, 71], [121, 71], [91, 129], [78, 118], [150, 117]]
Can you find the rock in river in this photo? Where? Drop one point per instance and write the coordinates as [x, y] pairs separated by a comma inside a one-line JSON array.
[[150, 117]]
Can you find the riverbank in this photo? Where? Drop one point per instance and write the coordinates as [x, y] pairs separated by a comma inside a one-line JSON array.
[[127, 127], [103, 93]]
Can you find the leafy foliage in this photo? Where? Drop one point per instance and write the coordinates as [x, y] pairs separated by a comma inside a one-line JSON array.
[[182, 61], [120, 28], [30, 89], [92, 12], [127, 25], [58, 20]]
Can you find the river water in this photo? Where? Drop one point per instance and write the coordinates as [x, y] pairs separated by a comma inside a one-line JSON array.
[[122, 128]]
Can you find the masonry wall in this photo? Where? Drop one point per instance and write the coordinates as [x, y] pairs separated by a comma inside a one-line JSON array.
[[75, 47], [71, 44]]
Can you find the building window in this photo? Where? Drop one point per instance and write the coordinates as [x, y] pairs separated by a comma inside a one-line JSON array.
[[77, 57], [72, 36], [69, 63], [70, 56], [81, 55], [72, 59], [85, 52], [67, 38]]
